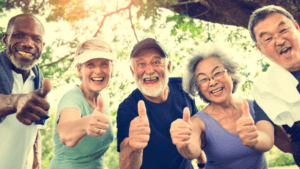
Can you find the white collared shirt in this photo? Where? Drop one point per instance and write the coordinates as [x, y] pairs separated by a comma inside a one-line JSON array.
[[17, 139]]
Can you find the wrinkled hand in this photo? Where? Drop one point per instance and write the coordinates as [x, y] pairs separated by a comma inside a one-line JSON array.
[[98, 121], [139, 130], [246, 128], [32, 106], [181, 130]]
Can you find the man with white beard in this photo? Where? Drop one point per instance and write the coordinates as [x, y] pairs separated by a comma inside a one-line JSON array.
[[158, 101]]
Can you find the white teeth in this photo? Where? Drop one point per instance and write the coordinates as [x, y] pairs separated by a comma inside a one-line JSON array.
[[27, 55], [97, 78], [215, 91]]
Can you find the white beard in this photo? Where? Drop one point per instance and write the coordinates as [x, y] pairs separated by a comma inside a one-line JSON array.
[[153, 90]]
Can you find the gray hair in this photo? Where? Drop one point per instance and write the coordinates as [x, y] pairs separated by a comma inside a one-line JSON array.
[[262, 13], [93, 44], [189, 81]]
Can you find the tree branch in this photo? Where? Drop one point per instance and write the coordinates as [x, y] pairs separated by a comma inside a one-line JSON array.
[[132, 26], [41, 5], [59, 60], [110, 14]]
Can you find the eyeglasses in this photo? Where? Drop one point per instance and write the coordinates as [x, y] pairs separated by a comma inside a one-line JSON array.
[[268, 39], [203, 80]]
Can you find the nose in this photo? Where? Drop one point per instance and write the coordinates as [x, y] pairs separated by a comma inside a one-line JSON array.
[[279, 40], [212, 82], [149, 69], [27, 42], [97, 70]]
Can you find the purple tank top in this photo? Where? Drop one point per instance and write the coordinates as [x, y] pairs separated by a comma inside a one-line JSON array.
[[225, 150]]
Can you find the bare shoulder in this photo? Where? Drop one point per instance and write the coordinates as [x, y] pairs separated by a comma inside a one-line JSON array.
[[198, 122]]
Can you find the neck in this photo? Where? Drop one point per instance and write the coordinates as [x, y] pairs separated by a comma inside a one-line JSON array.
[[25, 73], [228, 107], [90, 96], [161, 98]]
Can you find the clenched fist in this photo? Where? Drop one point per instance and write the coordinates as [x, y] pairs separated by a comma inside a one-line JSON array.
[[246, 128], [33, 106], [181, 130], [139, 130], [98, 121]]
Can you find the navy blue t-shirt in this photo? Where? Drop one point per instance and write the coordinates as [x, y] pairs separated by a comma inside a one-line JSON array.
[[160, 152]]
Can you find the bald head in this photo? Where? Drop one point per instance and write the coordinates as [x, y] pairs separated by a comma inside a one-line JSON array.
[[12, 20]]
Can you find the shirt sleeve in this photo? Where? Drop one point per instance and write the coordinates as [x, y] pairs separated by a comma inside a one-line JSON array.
[[260, 114], [70, 99]]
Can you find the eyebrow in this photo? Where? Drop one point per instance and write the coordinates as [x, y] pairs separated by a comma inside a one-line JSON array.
[[205, 74], [280, 24]]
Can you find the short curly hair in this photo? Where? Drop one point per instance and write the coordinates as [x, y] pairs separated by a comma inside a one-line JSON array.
[[211, 50]]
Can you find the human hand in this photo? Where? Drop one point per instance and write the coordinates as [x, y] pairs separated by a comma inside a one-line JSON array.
[[98, 120], [181, 130], [246, 128], [33, 106], [139, 130]]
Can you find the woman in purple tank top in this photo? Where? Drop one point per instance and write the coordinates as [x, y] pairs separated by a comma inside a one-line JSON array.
[[225, 129]]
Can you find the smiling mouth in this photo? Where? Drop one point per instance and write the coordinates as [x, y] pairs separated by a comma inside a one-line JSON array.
[[97, 79], [217, 90], [25, 54], [151, 80], [284, 51]]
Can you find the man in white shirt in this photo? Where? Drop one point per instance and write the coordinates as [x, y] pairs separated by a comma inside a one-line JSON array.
[[23, 106]]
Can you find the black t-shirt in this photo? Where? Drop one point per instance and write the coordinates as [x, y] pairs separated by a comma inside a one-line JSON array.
[[160, 152], [294, 131]]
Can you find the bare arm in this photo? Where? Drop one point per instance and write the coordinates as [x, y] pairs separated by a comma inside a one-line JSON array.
[[72, 128], [129, 157], [201, 159], [8, 104], [265, 136], [37, 150], [29, 107], [282, 140]]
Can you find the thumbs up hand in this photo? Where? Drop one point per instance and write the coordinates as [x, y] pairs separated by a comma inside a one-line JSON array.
[[246, 128], [139, 130], [33, 106], [181, 130], [98, 120]]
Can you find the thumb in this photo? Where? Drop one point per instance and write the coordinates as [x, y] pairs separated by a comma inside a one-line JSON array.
[[100, 104], [186, 114], [245, 109], [142, 109], [46, 88]]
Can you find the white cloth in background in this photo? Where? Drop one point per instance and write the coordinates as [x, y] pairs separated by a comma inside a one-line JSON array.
[[276, 93]]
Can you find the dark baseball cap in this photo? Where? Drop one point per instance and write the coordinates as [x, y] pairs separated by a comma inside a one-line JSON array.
[[146, 44]]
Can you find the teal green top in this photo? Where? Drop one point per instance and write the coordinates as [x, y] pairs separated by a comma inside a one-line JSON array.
[[88, 154]]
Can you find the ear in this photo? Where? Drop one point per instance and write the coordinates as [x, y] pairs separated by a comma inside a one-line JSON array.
[[132, 72], [44, 44], [4, 39], [169, 66], [79, 71], [112, 69], [296, 25], [258, 47]]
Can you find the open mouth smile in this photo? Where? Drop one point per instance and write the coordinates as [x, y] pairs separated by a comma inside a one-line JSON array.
[[97, 79], [151, 80], [217, 90]]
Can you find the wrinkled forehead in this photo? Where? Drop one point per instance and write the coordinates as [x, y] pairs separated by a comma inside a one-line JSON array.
[[27, 24]]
